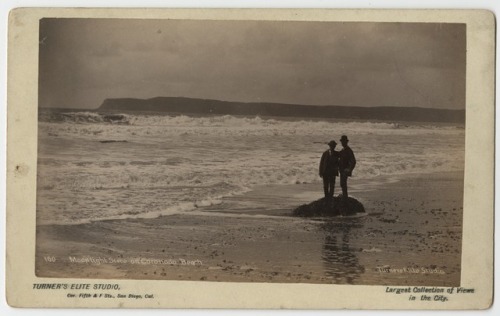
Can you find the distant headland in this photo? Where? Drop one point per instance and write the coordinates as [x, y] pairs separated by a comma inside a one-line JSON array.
[[182, 105]]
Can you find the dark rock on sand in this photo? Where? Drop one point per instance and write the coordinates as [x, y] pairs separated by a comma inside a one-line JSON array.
[[330, 207]]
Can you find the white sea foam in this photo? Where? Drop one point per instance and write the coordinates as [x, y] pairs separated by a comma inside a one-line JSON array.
[[175, 164], [152, 125]]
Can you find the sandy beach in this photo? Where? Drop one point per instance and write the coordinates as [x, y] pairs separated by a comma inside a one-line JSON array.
[[410, 234]]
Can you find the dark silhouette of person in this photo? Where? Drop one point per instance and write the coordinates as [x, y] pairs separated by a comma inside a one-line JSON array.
[[329, 169], [347, 162]]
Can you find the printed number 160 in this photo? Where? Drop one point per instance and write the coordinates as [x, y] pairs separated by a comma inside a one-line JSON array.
[[50, 258]]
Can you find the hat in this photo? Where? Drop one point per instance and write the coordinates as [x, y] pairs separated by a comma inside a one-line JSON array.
[[344, 138], [332, 143]]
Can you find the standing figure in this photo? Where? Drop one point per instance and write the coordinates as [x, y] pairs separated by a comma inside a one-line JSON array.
[[329, 169], [347, 162]]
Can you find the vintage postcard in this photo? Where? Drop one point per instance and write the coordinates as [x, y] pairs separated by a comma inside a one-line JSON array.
[[242, 158]]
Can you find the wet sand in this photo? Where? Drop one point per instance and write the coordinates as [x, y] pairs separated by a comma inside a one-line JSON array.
[[411, 234]]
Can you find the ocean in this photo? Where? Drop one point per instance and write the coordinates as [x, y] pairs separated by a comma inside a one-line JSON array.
[[95, 166]]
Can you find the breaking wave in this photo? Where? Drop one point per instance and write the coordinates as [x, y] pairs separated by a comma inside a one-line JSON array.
[[117, 165]]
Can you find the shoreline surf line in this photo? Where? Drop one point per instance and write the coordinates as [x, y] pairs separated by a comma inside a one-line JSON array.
[[298, 197]]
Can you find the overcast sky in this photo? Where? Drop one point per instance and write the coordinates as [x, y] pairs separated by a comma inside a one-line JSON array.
[[84, 61]]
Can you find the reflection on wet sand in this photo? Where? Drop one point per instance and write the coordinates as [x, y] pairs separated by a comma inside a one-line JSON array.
[[339, 259]]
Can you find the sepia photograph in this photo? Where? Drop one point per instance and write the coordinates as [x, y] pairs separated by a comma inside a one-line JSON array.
[[250, 158], [251, 151]]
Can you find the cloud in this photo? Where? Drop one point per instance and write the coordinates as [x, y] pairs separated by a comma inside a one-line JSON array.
[[84, 61], [108, 50]]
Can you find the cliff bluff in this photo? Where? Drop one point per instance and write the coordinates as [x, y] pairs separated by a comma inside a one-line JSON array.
[[181, 105]]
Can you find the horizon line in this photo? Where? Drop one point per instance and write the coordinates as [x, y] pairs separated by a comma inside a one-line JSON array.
[[254, 102]]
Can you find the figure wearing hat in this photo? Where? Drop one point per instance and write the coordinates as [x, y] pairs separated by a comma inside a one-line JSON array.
[[329, 169], [347, 162]]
